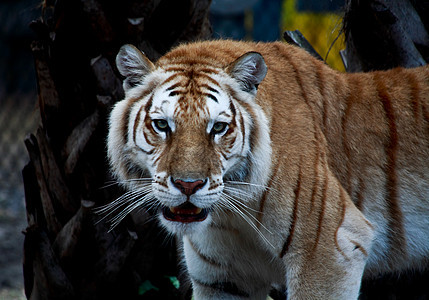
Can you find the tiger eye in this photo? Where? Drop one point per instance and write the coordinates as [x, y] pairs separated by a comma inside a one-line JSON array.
[[161, 125], [219, 127]]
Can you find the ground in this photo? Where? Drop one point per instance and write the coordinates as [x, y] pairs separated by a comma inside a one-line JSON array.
[[11, 249]]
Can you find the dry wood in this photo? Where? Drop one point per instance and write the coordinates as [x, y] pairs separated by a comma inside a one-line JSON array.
[[68, 238], [383, 34], [52, 282], [52, 222], [77, 141], [48, 97], [111, 262], [296, 38], [98, 21], [106, 80]]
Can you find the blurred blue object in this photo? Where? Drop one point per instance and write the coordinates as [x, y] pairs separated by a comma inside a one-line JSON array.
[[228, 19], [266, 20], [231, 7], [320, 6]]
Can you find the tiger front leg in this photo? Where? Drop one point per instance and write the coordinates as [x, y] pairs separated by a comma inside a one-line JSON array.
[[333, 268], [227, 291], [213, 272]]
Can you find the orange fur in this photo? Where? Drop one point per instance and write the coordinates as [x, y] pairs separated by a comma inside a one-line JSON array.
[[348, 165]]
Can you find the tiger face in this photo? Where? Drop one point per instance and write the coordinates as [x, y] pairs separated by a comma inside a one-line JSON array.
[[185, 127]]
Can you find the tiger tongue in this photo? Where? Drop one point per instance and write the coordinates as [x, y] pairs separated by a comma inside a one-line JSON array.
[[186, 209], [185, 213]]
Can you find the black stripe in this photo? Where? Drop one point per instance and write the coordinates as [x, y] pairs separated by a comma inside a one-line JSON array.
[[320, 80], [212, 90], [130, 105], [349, 101], [300, 81], [238, 114], [150, 152], [204, 257], [173, 86], [321, 215], [136, 124], [296, 191], [224, 287], [211, 97], [395, 222]]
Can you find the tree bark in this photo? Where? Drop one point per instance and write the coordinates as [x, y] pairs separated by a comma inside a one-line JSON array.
[[384, 34], [67, 254]]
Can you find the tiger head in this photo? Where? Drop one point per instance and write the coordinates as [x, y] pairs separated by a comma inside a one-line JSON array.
[[187, 127]]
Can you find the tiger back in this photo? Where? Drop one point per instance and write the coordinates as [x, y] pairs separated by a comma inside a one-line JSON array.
[[274, 169]]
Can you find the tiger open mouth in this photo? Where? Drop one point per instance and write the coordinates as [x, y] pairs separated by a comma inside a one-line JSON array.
[[185, 213]]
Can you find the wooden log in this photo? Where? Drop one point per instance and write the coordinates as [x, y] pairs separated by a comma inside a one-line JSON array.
[[53, 225], [70, 235], [58, 189], [382, 35], [110, 264], [49, 101], [98, 21], [107, 82], [297, 38], [176, 22], [34, 217], [198, 26], [77, 141], [31, 190], [50, 281]]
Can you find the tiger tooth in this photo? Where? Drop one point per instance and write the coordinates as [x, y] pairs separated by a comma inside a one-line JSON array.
[[198, 210]]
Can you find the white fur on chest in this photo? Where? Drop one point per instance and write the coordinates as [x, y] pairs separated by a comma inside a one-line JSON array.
[[219, 255]]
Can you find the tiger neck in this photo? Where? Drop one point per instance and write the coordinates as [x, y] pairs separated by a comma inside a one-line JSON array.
[[261, 156]]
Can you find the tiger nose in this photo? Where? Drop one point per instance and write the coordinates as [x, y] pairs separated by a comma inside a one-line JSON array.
[[189, 187]]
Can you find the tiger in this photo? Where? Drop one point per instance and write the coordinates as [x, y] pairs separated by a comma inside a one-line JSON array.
[[273, 169]]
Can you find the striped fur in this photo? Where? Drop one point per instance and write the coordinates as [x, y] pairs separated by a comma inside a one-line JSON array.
[[317, 179]]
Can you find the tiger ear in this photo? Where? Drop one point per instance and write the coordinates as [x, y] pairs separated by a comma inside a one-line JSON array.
[[133, 65], [249, 69]]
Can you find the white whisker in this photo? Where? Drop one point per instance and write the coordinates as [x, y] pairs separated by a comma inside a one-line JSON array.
[[231, 204], [138, 203], [117, 182], [136, 180], [239, 192], [259, 187], [247, 184], [109, 184], [141, 197], [234, 201], [237, 201], [128, 196]]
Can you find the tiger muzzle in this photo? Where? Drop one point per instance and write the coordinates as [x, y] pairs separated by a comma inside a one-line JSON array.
[[187, 212]]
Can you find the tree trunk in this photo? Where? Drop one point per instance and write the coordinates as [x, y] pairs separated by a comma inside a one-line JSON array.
[[67, 254], [384, 34]]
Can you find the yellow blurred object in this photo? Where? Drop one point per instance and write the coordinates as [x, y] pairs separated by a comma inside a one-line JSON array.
[[320, 29]]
